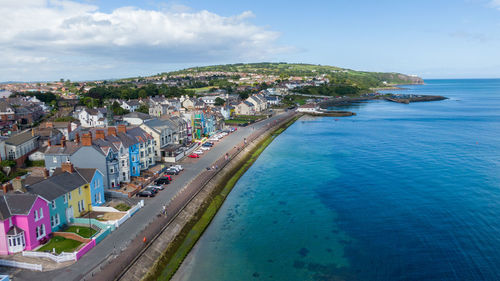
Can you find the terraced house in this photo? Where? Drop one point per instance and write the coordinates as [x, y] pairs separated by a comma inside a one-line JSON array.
[[24, 222], [69, 192]]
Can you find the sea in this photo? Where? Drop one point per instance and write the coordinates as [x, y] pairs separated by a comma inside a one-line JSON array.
[[397, 192]]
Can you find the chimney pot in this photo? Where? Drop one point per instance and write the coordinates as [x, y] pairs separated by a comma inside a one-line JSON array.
[[122, 129], [99, 134], [67, 167], [87, 139], [111, 131]]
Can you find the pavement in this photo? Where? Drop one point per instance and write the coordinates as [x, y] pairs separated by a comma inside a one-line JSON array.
[[116, 243]]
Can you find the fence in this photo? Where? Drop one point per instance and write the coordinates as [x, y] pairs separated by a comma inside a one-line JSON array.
[[129, 213], [85, 249], [102, 235], [24, 265], [63, 257], [105, 209]]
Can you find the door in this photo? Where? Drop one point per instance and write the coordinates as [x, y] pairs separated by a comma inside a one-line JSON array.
[[69, 213]]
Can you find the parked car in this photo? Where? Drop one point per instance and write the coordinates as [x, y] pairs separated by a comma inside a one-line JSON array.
[[193, 155], [171, 172], [205, 148], [145, 193], [168, 177], [151, 188], [174, 168], [207, 144], [157, 187], [199, 151], [179, 167], [161, 181]]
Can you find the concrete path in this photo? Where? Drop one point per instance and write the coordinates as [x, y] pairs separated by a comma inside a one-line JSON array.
[[116, 243]]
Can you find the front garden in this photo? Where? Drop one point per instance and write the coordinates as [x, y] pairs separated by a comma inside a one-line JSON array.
[[60, 244]]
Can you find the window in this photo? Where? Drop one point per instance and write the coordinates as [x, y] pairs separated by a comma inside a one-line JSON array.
[[142, 154], [54, 159], [53, 204], [40, 231], [36, 215], [10, 222], [111, 170], [69, 195], [55, 220], [41, 214], [80, 190], [65, 198], [81, 206], [123, 163]]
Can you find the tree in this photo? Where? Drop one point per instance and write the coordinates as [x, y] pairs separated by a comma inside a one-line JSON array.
[[143, 108], [244, 95], [143, 94], [219, 101]]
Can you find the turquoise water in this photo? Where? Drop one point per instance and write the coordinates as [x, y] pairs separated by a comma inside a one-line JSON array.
[[398, 192]]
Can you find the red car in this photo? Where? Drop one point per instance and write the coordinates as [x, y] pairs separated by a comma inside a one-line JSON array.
[[167, 177], [194, 155]]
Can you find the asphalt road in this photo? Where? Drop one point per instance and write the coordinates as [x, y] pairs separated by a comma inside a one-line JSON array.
[[120, 238]]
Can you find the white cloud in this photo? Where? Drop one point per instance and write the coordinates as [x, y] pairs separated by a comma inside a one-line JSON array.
[[52, 31]]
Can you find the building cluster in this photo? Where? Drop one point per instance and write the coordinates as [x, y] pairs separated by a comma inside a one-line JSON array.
[[32, 208], [19, 112]]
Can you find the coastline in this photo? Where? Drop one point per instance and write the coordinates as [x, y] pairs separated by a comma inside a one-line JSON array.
[[208, 203]]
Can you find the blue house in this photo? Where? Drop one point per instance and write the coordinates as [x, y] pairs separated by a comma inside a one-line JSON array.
[[135, 160]]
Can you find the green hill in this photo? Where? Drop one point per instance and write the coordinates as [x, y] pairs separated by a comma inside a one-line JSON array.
[[361, 79]]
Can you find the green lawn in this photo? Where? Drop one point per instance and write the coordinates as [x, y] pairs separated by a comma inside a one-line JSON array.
[[122, 207], [61, 244], [83, 231]]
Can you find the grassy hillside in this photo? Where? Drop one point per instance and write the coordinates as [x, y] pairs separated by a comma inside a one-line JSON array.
[[338, 75]]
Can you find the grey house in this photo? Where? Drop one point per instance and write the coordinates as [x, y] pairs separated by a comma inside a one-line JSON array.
[[85, 155]]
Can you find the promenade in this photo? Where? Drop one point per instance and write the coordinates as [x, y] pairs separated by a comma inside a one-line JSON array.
[[119, 249]]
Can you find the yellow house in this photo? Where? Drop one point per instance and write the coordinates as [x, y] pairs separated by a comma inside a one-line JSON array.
[[79, 200]]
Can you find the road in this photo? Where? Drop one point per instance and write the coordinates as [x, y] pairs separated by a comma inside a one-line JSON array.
[[123, 235]]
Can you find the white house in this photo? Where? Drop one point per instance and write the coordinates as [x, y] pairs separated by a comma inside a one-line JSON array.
[[130, 105], [245, 108], [91, 118], [308, 108]]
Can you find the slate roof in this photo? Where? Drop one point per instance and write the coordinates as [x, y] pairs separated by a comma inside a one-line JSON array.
[[15, 230], [68, 149], [137, 114], [20, 138], [16, 204], [61, 183]]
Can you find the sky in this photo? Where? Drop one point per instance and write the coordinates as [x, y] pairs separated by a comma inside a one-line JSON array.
[[45, 40]]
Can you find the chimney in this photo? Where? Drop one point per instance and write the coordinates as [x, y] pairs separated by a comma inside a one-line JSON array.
[[122, 129], [18, 185], [111, 131], [32, 132], [87, 139], [67, 167], [77, 138], [99, 134], [45, 173], [63, 141]]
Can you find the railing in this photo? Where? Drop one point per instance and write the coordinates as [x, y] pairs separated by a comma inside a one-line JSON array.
[[63, 257], [24, 265], [129, 213], [105, 209]]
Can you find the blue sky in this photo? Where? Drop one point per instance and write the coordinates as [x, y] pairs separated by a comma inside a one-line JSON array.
[[96, 39]]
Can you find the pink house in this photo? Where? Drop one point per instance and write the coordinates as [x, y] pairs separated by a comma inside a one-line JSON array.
[[24, 222]]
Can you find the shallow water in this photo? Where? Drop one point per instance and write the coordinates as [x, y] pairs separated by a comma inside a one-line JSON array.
[[398, 192]]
